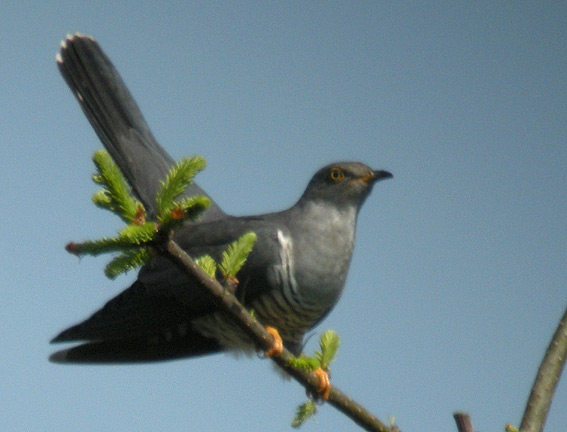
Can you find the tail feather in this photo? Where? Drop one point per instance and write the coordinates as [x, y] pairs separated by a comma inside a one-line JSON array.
[[136, 351], [117, 119]]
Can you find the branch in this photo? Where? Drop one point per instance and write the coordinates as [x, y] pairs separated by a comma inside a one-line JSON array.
[[463, 420], [263, 340], [546, 380]]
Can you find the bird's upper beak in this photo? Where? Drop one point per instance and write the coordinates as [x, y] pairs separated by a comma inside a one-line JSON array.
[[374, 176]]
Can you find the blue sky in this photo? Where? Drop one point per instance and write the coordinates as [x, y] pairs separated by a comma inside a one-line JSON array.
[[459, 274]]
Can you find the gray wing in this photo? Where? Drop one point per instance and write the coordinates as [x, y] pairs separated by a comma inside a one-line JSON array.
[[152, 319], [117, 120]]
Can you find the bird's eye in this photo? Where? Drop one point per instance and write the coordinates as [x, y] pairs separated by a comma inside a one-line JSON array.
[[336, 174]]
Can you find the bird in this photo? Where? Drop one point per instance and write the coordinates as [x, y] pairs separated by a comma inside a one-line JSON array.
[[292, 279]]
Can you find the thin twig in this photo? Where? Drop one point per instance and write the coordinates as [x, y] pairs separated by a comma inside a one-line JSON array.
[[546, 380], [228, 303]]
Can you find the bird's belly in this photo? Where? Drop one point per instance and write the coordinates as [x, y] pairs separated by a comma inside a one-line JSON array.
[[291, 321]]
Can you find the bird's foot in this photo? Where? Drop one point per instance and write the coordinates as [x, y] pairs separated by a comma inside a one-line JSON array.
[[277, 346], [324, 388]]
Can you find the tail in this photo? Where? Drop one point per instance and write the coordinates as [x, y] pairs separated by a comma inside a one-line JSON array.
[[117, 119]]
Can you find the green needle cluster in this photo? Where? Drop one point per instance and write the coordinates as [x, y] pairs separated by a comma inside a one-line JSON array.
[[133, 243]]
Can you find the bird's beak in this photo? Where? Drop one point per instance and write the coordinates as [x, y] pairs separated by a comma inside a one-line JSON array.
[[374, 176]]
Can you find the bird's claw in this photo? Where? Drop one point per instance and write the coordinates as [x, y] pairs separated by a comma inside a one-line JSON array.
[[277, 346], [324, 388]]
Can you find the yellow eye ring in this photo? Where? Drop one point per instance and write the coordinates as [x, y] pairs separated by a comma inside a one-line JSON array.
[[336, 174]]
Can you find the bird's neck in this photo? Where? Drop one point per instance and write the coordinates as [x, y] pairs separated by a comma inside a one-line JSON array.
[[324, 218]]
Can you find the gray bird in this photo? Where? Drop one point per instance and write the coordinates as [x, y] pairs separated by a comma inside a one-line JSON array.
[[292, 279]]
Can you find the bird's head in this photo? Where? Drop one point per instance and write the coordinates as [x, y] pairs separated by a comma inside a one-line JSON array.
[[343, 183]]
